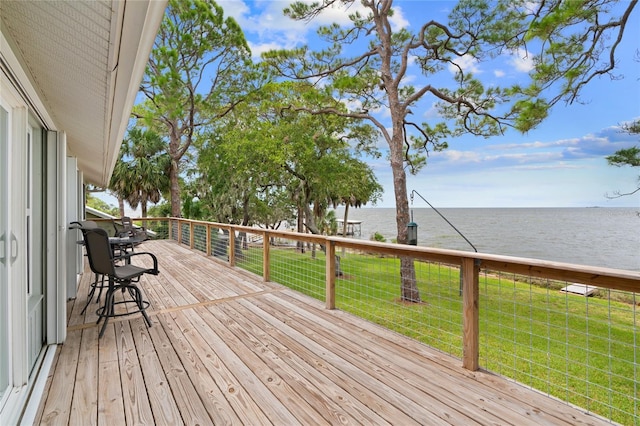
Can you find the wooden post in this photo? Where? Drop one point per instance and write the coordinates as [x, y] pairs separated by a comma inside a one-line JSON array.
[[470, 313], [192, 239], [232, 247], [179, 231], [266, 258], [208, 240], [330, 292]]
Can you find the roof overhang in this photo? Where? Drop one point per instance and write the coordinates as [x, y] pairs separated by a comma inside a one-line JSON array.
[[84, 61]]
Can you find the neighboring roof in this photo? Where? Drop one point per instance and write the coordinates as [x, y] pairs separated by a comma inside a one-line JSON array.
[[86, 60], [97, 213]]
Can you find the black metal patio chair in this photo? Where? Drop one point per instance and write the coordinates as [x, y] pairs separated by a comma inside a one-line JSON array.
[[132, 235], [99, 281], [124, 277]]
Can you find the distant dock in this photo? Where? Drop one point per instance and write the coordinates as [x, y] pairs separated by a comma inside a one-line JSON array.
[[354, 227]]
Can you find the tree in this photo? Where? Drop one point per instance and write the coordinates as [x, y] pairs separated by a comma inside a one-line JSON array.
[[627, 157], [140, 175], [120, 184], [193, 77], [100, 205], [566, 41], [145, 156], [263, 162]]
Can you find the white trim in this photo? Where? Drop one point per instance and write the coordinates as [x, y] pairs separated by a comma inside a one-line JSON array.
[[17, 263], [17, 225], [72, 236], [61, 237], [51, 287], [37, 392]]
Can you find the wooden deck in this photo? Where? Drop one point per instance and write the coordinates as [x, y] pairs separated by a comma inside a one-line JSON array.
[[227, 348]]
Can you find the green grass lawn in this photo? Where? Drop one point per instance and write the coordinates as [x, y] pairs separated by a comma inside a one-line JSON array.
[[578, 349]]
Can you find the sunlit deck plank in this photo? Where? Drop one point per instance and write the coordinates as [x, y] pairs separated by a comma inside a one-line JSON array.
[[110, 396], [84, 405], [58, 404], [163, 405], [201, 336], [137, 408], [226, 347]]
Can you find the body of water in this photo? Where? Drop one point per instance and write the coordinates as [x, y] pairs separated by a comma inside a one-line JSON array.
[[607, 237]]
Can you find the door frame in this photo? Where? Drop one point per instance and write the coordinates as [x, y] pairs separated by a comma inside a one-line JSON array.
[[17, 247]]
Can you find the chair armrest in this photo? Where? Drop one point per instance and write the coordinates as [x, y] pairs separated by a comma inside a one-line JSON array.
[[153, 271]]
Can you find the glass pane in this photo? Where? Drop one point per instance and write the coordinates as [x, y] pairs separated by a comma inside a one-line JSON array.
[[4, 281]]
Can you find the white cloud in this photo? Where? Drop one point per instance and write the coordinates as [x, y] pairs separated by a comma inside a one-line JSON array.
[[522, 60], [398, 21], [432, 111], [499, 73], [258, 49], [467, 63], [267, 22], [457, 156]]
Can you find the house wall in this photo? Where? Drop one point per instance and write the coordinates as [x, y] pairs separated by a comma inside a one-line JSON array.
[[38, 268]]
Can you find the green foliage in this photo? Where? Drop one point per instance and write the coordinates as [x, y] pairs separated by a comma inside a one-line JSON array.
[[625, 157], [378, 237], [101, 205], [196, 73], [266, 161], [162, 209], [141, 173]]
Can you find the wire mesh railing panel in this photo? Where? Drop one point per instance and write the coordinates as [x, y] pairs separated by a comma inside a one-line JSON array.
[[159, 229], [372, 287], [219, 243], [248, 251], [299, 266], [580, 349], [200, 237], [185, 229], [174, 229]]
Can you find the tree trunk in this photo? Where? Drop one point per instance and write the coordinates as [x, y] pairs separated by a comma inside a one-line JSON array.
[[344, 223], [176, 208], [143, 209], [121, 206], [300, 222], [408, 287], [174, 172]]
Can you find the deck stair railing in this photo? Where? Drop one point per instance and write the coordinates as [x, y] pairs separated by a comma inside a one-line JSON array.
[[512, 316]]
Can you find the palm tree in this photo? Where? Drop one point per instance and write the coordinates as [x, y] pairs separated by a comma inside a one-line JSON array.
[[121, 178], [140, 175]]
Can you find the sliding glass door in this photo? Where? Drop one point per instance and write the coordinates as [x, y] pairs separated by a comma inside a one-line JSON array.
[[5, 240]]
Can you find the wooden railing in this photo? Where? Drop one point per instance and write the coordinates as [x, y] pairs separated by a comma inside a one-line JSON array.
[[470, 264]]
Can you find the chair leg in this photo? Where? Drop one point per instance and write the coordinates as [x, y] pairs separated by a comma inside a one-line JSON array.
[[92, 292], [136, 294], [107, 310], [100, 291]]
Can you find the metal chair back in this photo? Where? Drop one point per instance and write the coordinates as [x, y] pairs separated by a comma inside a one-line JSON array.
[[99, 251]]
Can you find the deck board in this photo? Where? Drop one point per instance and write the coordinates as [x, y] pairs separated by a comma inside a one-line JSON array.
[[227, 348]]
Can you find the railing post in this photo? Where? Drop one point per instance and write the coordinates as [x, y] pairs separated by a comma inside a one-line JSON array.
[[470, 314], [179, 231], [330, 291], [208, 240], [266, 258], [192, 240], [232, 247]]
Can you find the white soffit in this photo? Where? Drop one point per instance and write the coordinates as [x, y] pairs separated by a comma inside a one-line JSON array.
[[85, 60]]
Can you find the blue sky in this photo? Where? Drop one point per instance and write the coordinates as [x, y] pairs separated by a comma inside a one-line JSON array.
[[559, 164]]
